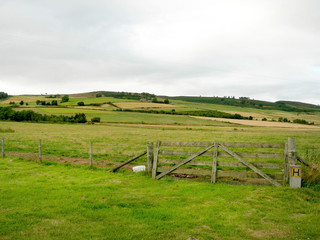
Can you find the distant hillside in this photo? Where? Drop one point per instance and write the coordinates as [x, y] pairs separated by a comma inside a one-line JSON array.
[[289, 106], [300, 104], [247, 102], [125, 95]]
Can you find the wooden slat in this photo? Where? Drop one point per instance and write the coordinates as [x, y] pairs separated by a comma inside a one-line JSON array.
[[262, 174], [220, 173], [223, 154], [185, 161], [227, 144], [243, 175], [222, 164], [214, 163], [128, 161], [155, 160], [303, 162]]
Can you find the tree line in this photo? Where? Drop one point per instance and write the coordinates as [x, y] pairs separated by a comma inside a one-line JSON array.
[[7, 113]]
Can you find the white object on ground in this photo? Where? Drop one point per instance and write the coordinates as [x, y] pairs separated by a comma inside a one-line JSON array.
[[139, 168]]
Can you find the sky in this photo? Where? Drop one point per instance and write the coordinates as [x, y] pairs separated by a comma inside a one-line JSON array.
[[262, 49]]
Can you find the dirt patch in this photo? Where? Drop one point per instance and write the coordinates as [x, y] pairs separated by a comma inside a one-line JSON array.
[[260, 123], [268, 233]]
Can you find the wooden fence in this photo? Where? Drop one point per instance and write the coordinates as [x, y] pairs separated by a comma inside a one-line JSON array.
[[263, 163]]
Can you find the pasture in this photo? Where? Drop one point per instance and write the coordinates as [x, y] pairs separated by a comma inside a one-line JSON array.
[[56, 201], [61, 198]]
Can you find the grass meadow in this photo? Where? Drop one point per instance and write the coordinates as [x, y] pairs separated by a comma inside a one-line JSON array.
[[56, 201]]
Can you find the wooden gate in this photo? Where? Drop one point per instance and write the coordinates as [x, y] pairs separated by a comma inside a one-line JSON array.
[[256, 162]]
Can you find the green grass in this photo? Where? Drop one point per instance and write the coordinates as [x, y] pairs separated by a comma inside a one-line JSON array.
[[119, 142], [73, 101], [63, 202], [130, 117]]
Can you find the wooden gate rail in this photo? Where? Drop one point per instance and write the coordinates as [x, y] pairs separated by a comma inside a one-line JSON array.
[[184, 162], [272, 178], [128, 161], [249, 165]]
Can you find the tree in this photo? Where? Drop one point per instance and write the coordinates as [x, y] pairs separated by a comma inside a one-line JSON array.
[[65, 98], [98, 95], [3, 95], [54, 102], [21, 103], [95, 119], [166, 101], [80, 103]]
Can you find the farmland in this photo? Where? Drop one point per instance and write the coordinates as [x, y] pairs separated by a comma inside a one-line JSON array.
[[75, 202]]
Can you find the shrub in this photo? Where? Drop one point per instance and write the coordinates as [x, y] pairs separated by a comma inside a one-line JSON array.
[[98, 95], [3, 95], [95, 119], [65, 98], [80, 103], [21, 102], [264, 119], [166, 101]]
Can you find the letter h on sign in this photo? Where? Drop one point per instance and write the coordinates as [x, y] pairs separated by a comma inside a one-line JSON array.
[[296, 172]]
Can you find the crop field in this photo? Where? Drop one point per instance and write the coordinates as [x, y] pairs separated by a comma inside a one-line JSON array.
[[74, 100], [27, 99]]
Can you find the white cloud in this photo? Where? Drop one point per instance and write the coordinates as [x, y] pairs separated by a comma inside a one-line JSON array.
[[265, 49]]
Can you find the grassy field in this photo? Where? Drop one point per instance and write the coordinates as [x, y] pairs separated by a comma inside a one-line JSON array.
[[56, 200], [50, 201], [117, 142]]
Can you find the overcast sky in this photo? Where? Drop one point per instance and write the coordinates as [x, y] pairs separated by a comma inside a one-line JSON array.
[[264, 49]]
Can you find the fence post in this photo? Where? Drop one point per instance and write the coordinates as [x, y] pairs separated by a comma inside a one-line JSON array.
[[155, 160], [90, 163], [294, 169], [2, 152], [286, 165], [292, 153], [149, 156], [214, 163], [40, 157]]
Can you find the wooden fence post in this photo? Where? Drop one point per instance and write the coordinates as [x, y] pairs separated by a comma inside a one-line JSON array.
[[91, 152], [292, 153], [2, 152], [214, 163], [40, 156], [286, 165], [155, 160], [149, 156]]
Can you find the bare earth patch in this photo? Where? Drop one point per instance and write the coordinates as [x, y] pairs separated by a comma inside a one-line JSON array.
[[260, 123]]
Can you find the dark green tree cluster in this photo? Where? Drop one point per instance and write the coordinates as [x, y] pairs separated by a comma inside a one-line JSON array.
[[3, 95], [7, 113], [53, 96], [155, 100], [80, 103], [128, 95], [65, 98], [302, 121], [53, 102]]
